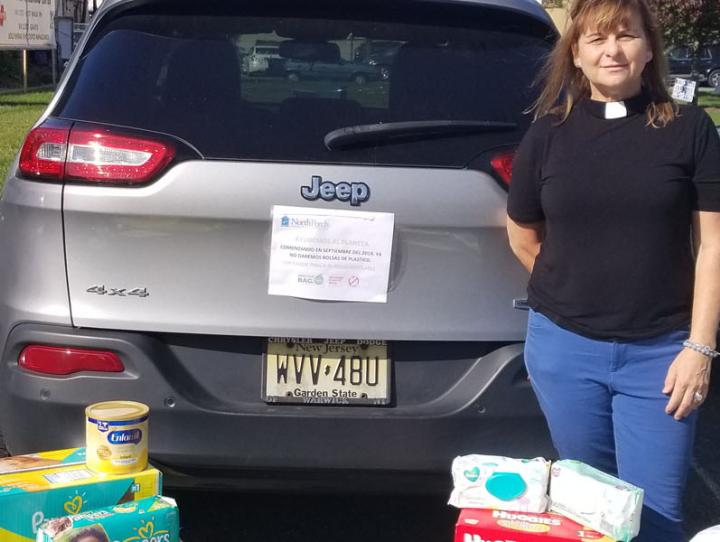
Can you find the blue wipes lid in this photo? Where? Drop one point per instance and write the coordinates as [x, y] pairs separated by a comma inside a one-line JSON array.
[[505, 486]]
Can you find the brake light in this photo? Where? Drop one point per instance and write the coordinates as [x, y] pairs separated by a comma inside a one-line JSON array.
[[502, 164], [43, 153], [58, 360], [55, 151]]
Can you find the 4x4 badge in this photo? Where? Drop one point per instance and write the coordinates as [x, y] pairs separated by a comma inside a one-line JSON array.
[[122, 292], [356, 193]]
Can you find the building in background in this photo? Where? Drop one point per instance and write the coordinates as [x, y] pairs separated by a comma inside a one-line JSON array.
[[559, 11], [77, 9], [71, 17]]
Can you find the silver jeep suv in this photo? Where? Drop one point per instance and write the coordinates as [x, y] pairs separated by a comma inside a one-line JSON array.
[[136, 233]]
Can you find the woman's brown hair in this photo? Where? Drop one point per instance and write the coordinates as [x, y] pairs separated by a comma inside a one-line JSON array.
[[563, 84]]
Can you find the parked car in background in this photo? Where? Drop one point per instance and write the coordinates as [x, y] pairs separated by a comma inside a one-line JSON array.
[[680, 63], [136, 236], [259, 59], [336, 70], [380, 54]]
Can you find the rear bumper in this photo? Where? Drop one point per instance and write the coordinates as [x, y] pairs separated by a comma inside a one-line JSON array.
[[208, 420]]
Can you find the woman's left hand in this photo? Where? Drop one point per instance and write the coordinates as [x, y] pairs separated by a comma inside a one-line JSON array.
[[688, 375]]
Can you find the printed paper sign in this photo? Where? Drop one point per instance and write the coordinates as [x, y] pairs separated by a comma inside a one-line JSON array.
[[27, 24], [330, 254], [684, 89]]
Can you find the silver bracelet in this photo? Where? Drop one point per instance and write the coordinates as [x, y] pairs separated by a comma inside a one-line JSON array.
[[702, 348]]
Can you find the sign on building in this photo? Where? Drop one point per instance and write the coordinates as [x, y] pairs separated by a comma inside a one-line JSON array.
[[27, 24]]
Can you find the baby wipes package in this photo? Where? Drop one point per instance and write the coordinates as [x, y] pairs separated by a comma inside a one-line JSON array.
[[476, 525], [154, 519], [501, 483], [596, 499], [31, 491]]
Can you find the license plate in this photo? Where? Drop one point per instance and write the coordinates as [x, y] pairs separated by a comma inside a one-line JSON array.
[[326, 372]]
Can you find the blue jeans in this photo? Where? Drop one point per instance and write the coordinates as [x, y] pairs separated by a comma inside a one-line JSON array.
[[604, 405]]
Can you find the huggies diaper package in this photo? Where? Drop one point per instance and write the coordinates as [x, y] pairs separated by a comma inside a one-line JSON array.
[[503, 526], [155, 519], [501, 483], [31, 490], [596, 499]]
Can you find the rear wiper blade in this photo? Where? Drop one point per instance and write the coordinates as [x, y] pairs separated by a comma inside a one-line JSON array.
[[388, 132]]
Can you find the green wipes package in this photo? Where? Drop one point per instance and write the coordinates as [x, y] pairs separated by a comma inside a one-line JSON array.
[[47, 485], [155, 519]]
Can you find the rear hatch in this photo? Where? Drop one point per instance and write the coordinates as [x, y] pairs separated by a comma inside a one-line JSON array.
[[189, 250]]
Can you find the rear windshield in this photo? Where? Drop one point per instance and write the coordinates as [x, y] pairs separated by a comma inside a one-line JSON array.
[[271, 88]]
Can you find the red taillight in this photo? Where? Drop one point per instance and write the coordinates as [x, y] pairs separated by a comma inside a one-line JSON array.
[[43, 153], [58, 360], [502, 164], [54, 151], [101, 156]]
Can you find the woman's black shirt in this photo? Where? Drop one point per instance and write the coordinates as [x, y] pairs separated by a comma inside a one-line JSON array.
[[616, 196]]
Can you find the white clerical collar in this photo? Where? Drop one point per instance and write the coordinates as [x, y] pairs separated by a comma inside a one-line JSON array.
[[615, 110]]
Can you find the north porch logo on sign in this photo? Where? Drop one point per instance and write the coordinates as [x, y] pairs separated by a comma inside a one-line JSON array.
[[2, 15]]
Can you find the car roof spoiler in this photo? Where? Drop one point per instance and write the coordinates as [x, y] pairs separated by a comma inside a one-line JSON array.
[[527, 7]]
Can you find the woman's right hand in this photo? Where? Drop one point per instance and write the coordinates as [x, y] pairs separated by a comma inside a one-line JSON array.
[[525, 241]]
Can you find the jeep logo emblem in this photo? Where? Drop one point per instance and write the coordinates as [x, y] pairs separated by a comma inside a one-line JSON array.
[[356, 193]]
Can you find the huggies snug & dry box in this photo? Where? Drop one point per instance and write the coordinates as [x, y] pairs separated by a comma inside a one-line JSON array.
[[484, 525], [46, 485]]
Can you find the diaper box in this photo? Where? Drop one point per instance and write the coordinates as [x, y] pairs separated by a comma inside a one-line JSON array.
[[42, 460], [482, 525], [40, 486], [154, 519]]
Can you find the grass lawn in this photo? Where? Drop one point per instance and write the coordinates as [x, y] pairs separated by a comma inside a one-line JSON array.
[[18, 112], [711, 103]]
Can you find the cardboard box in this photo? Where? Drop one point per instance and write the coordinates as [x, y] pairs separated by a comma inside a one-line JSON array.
[[42, 460], [481, 525], [155, 519], [32, 491]]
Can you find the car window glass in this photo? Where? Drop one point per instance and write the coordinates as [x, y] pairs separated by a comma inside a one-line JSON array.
[[226, 87], [266, 50], [680, 53]]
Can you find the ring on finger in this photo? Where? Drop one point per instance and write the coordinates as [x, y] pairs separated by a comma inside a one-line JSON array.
[[698, 397]]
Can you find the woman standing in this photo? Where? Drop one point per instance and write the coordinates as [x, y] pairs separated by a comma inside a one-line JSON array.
[[609, 186]]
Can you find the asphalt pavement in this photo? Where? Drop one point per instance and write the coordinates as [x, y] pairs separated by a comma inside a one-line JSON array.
[[302, 518], [702, 502], [396, 518], [223, 516]]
